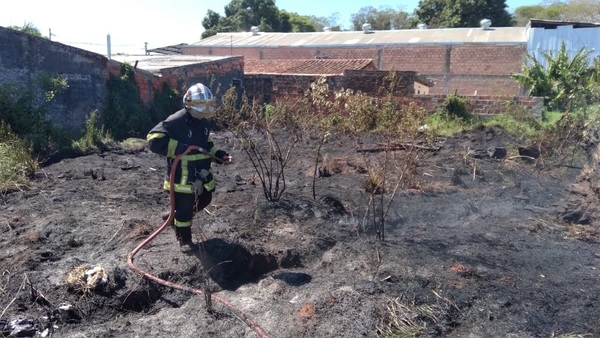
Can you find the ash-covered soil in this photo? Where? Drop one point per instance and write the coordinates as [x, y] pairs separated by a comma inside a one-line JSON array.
[[477, 247]]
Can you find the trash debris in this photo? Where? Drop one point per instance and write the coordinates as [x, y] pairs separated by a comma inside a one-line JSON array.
[[21, 327], [85, 277]]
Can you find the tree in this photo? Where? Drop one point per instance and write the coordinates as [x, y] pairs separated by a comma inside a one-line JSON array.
[[321, 22], [384, 18], [462, 13], [553, 11], [211, 23], [248, 13], [300, 23], [579, 10], [573, 10], [242, 15], [211, 20]]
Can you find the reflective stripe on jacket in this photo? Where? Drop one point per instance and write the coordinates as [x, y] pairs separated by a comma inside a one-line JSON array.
[[172, 137]]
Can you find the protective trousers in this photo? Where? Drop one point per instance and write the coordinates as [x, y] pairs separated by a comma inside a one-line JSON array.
[[186, 205]]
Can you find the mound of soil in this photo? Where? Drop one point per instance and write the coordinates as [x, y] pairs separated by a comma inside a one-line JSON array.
[[482, 243]]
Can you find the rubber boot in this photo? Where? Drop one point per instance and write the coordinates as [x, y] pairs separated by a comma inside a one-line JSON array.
[[184, 237]]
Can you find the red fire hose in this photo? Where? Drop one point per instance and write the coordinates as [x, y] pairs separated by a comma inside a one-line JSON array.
[[242, 316]]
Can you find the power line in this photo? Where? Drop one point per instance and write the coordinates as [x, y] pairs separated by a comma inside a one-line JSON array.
[[96, 44]]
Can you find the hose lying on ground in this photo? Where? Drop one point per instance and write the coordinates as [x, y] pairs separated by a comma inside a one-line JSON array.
[[253, 325]]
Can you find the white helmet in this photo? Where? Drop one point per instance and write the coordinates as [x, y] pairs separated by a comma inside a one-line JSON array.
[[198, 100]]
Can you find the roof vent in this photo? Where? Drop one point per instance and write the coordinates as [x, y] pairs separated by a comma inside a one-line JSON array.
[[326, 29], [422, 26], [485, 24], [366, 28], [254, 30]]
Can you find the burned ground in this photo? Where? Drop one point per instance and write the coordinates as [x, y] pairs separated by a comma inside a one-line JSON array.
[[480, 247]]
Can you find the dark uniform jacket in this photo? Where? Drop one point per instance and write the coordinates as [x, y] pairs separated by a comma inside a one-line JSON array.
[[172, 137]]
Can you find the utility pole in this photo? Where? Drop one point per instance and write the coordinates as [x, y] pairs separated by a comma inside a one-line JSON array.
[[108, 46], [50, 34]]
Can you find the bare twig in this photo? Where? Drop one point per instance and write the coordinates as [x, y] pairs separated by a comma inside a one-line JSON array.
[[116, 232], [9, 226], [25, 280], [446, 300], [7, 281], [37, 296]]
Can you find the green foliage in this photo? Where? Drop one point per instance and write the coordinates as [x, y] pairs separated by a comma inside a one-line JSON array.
[[299, 23], [28, 28], [231, 115], [462, 13], [166, 101], [52, 85], [24, 109], [125, 115], [456, 106], [17, 164], [444, 124], [95, 138], [361, 115], [517, 122], [551, 117], [384, 18], [513, 126], [523, 14], [564, 83], [20, 109], [573, 11], [241, 15]]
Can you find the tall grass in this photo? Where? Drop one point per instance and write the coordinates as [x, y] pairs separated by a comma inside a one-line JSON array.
[[17, 164]]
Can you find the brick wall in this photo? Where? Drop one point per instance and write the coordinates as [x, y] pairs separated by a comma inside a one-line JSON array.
[[23, 58], [285, 88], [273, 88], [219, 75], [483, 105], [464, 69], [371, 82]]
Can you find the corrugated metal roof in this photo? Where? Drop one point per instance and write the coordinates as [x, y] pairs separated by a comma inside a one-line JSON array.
[[503, 35], [168, 50], [154, 63], [305, 67], [550, 24]]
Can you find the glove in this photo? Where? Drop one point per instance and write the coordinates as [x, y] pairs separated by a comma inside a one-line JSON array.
[[223, 156]]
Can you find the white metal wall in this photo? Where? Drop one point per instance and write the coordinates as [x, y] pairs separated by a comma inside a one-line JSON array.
[[549, 40]]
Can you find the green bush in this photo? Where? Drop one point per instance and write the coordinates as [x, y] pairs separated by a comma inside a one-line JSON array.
[[166, 102], [565, 83], [17, 164], [125, 114], [24, 109], [95, 138], [456, 106], [443, 124]]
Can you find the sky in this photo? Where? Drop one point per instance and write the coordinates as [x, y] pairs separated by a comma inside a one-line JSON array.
[[132, 23]]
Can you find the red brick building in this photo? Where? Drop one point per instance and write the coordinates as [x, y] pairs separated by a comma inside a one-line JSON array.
[[467, 61]]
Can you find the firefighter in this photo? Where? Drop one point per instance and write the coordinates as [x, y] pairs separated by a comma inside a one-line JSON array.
[[194, 183]]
